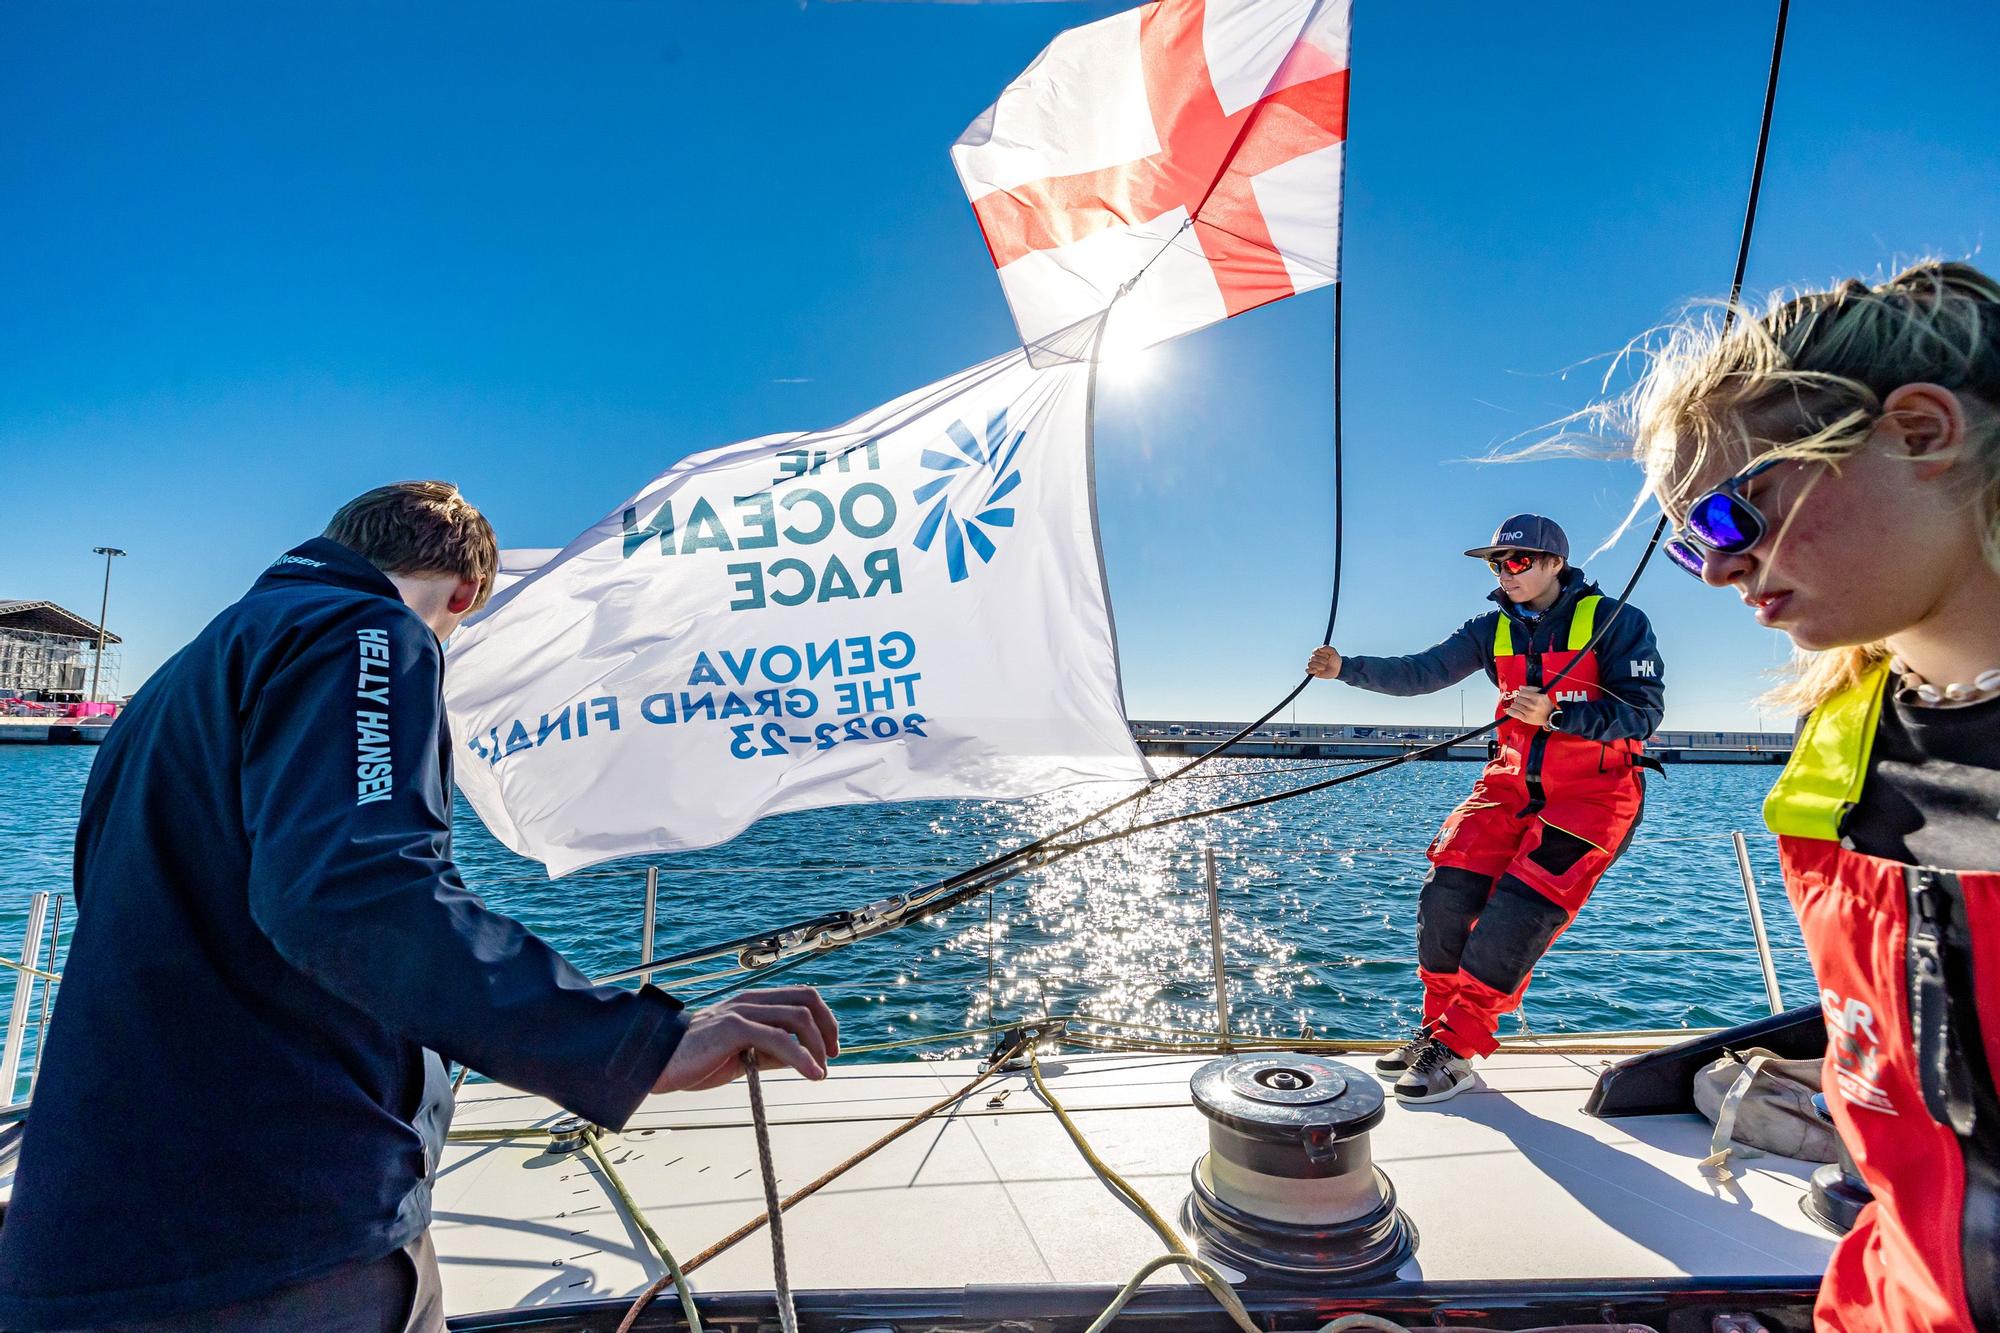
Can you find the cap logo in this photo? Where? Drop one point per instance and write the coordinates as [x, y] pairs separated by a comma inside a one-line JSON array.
[[1512, 536]]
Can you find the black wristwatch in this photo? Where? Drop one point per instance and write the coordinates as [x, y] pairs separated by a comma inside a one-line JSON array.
[[1555, 719]]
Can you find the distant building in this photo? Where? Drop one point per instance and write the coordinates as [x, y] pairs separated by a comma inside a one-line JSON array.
[[46, 654]]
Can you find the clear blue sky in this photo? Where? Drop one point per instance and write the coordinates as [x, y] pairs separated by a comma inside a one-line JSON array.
[[256, 257]]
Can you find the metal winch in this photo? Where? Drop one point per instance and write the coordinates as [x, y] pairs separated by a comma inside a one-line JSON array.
[[1288, 1189]]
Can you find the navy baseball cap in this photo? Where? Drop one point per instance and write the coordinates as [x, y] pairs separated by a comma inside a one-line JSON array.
[[1525, 532]]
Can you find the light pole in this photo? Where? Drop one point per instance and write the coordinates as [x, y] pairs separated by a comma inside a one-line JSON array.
[[103, 609]]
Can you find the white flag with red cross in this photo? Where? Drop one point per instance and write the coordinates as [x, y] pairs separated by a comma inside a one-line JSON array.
[[1187, 152]]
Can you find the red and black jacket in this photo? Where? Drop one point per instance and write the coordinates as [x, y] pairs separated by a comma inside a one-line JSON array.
[[1907, 958], [1611, 698]]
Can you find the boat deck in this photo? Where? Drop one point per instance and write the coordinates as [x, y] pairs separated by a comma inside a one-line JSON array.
[[1508, 1181]]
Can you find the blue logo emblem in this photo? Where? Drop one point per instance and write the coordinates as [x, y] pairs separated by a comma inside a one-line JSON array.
[[967, 492]]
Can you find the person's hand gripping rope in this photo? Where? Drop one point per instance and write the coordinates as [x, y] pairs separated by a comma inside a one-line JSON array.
[[786, 1026]]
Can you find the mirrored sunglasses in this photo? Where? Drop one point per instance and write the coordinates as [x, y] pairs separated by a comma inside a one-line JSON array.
[[1513, 562], [1722, 521]]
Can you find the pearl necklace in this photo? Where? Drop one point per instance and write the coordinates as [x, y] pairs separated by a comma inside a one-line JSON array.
[[1914, 689]]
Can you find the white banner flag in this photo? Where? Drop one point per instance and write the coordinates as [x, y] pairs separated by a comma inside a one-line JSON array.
[[1191, 148], [910, 606]]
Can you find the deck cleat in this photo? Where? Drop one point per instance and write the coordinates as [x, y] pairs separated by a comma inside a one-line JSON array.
[[1010, 1053], [1288, 1190]]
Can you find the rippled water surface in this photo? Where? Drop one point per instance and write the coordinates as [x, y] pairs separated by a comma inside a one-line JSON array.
[[1318, 903]]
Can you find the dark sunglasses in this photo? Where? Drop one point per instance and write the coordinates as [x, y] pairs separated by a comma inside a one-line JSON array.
[[1518, 563], [1721, 521]]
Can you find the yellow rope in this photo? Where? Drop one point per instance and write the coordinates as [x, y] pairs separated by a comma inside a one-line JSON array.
[[1131, 1287], [1221, 1290], [638, 1216]]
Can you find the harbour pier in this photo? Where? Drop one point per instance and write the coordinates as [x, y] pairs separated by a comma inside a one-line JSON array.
[[1337, 740]]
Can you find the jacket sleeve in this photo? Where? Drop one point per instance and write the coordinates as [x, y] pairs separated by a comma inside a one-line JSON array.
[[352, 880], [1633, 679], [1422, 673]]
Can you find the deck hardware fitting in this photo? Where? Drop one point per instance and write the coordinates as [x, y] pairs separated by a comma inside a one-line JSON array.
[[1756, 906], [1215, 944], [1288, 1190], [1018, 1040], [566, 1135]]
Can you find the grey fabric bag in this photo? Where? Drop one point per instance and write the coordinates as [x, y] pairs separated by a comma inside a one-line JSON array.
[[1761, 1103]]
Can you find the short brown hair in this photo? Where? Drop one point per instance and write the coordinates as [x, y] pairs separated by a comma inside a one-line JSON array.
[[420, 527]]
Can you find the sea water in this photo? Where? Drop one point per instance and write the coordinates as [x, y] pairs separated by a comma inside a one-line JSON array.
[[1318, 904]]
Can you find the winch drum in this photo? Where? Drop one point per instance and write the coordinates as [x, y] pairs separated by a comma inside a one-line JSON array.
[[1288, 1189]]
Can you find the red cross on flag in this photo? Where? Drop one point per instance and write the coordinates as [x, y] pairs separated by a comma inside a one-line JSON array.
[[1189, 148]]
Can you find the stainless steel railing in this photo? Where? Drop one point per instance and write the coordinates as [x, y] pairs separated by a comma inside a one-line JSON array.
[[45, 913]]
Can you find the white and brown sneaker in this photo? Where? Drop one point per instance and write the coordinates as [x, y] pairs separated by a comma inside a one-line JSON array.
[[1437, 1074]]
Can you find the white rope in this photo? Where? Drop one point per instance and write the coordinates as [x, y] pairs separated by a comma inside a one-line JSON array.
[[788, 1316]]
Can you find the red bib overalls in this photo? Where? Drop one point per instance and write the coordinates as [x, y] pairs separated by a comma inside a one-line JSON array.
[[1550, 810], [1908, 963]]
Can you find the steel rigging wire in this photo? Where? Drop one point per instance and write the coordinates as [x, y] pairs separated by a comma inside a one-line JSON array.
[[1048, 849]]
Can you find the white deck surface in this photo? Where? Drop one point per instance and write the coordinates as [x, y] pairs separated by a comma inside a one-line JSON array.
[[1509, 1180]]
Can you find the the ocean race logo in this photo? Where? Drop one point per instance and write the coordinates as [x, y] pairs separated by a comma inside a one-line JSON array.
[[819, 501], [974, 476]]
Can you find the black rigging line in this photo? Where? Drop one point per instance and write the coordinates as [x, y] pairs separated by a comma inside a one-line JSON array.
[[1757, 166], [1048, 850]]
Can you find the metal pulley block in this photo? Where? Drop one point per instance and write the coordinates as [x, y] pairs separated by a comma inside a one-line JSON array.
[[826, 932], [1288, 1189], [566, 1135]]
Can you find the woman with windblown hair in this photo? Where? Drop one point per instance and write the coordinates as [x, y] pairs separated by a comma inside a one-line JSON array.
[[1837, 463]]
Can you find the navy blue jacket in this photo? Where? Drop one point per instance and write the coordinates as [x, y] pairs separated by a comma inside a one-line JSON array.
[[1628, 660], [236, 1092]]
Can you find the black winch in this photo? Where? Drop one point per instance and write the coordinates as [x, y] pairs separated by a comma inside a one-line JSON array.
[[1288, 1189]]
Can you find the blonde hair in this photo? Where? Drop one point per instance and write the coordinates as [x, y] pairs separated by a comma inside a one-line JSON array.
[[420, 527], [1807, 379]]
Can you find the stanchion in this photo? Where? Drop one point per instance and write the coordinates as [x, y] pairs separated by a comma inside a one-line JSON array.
[[1757, 925], [1215, 949]]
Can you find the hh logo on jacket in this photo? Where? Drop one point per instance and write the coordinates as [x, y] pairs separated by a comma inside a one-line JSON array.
[[374, 771]]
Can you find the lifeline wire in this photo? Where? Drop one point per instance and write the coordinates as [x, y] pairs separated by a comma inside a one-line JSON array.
[[1046, 849]]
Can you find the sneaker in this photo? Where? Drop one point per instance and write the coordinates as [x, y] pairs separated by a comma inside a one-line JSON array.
[[1396, 1061], [1437, 1073]]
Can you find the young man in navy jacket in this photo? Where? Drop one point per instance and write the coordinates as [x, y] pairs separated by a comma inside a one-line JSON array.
[[242, 1105], [1555, 805]]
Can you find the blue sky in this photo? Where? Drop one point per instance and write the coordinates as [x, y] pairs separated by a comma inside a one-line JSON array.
[[255, 258]]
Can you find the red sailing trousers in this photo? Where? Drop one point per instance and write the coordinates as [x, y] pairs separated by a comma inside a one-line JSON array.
[[1908, 962], [1511, 867]]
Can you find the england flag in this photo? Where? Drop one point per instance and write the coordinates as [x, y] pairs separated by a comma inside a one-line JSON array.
[[1177, 164]]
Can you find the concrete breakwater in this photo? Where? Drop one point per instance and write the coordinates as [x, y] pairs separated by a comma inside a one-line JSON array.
[[1320, 740], [52, 731]]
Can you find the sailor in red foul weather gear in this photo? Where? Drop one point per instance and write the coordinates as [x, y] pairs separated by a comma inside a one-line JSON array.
[[1555, 806], [1907, 956]]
